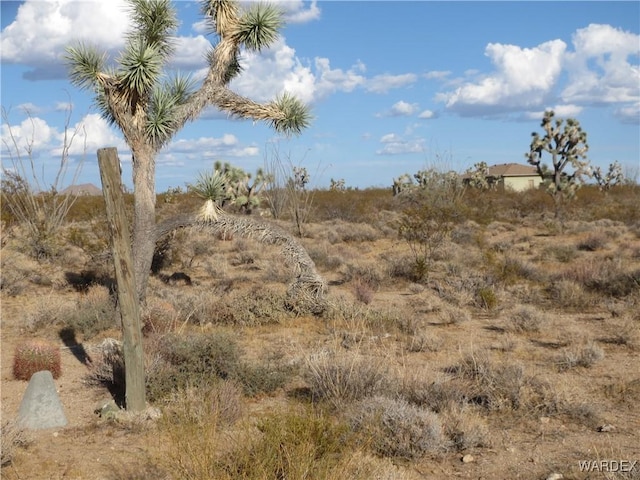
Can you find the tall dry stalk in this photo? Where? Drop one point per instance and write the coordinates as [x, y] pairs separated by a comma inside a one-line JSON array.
[[32, 199]]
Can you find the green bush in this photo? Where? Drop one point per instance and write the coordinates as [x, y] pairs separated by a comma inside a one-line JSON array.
[[181, 360], [295, 445]]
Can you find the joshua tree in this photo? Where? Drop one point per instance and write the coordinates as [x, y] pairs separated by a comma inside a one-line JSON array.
[[613, 177], [568, 148], [150, 108], [477, 177]]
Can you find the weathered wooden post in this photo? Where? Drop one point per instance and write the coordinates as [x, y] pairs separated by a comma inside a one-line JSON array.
[[128, 302]]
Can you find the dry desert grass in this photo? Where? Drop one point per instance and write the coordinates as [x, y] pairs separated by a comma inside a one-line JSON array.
[[519, 352]]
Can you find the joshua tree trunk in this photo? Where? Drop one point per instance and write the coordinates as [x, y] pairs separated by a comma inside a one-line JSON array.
[[144, 221]]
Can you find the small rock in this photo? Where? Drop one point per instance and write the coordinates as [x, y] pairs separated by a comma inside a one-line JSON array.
[[606, 428], [107, 410], [555, 476], [467, 458], [545, 419]]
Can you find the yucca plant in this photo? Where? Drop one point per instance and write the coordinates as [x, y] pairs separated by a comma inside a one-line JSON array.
[[212, 187], [34, 356]]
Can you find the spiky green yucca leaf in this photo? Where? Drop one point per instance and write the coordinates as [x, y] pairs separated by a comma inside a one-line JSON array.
[[295, 115], [181, 87], [86, 63], [259, 26], [160, 124], [163, 106], [154, 22], [211, 186], [141, 66]]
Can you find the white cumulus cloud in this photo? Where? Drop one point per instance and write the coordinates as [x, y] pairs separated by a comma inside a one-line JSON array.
[[400, 109], [524, 77], [394, 144], [599, 68], [41, 31], [385, 82]]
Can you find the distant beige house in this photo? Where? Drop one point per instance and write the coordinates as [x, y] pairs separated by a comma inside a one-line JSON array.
[[513, 176]]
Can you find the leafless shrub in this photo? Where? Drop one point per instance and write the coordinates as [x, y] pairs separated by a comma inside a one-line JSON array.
[[424, 343], [354, 232], [563, 253], [592, 243], [396, 428], [585, 356], [438, 395], [107, 365], [466, 429], [626, 333], [568, 294], [525, 318], [450, 315], [13, 437], [339, 378], [33, 202], [363, 291], [498, 386], [222, 400]]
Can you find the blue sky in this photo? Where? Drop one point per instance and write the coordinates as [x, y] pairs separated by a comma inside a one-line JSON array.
[[394, 86]]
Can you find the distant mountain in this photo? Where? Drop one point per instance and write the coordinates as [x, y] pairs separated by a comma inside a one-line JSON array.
[[83, 189]]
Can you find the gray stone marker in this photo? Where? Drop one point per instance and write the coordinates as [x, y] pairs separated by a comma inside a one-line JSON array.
[[41, 407]]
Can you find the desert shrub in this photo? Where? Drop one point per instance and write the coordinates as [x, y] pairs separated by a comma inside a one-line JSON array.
[[34, 356], [263, 378], [563, 253], [568, 294], [585, 357], [343, 377], [191, 359], [592, 243], [510, 269], [363, 291], [525, 319], [452, 315], [486, 298], [257, 306], [348, 313], [94, 312], [424, 343], [48, 311], [438, 396], [107, 366], [192, 421], [494, 386], [396, 428], [607, 276], [158, 316], [12, 437], [300, 444], [146, 469], [369, 273], [179, 360], [432, 209], [222, 401], [616, 284], [627, 333], [401, 266], [465, 429], [466, 234], [354, 232]]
